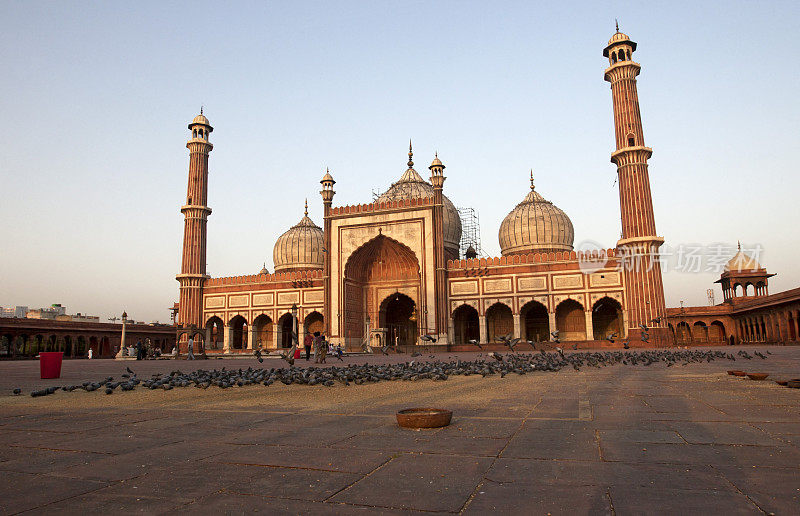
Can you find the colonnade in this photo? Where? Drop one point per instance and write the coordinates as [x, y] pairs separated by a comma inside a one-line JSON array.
[[771, 326]]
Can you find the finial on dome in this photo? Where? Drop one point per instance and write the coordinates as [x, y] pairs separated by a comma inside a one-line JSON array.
[[739, 243], [532, 186], [306, 212], [616, 23], [201, 109], [410, 155]]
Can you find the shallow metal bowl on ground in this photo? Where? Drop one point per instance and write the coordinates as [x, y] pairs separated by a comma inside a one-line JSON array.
[[424, 417], [739, 373], [782, 383], [757, 376], [733, 372], [794, 384]]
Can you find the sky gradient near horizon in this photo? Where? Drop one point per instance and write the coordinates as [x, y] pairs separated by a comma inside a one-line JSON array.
[[95, 99]]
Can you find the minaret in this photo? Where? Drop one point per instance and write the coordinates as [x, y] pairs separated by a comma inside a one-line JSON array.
[[195, 212], [327, 194], [439, 263], [638, 247]]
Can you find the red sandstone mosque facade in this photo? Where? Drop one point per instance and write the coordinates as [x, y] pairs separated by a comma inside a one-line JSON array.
[[389, 272]]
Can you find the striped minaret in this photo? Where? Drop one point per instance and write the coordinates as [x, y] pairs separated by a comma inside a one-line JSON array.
[[638, 247], [195, 212]]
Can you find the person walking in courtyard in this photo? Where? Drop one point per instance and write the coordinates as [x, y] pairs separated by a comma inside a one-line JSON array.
[[91, 353], [323, 349], [317, 345], [307, 340], [139, 349], [190, 349]]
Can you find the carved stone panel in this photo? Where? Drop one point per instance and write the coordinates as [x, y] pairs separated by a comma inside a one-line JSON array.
[[604, 279], [491, 286], [288, 298], [215, 302], [460, 288], [312, 297], [532, 283], [568, 281], [263, 299], [238, 300]]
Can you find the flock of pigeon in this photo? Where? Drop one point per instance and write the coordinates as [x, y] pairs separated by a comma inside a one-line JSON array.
[[490, 365]]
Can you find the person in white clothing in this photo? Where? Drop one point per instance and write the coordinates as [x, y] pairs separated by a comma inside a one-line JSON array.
[[91, 352], [191, 349]]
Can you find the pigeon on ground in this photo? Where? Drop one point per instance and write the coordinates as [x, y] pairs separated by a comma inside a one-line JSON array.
[[475, 343]]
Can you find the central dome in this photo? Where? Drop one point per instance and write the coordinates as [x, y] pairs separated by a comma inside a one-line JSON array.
[[300, 248], [412, 186], [535, 225]]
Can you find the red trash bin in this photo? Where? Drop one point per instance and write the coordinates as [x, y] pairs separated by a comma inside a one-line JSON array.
[[50, 364]]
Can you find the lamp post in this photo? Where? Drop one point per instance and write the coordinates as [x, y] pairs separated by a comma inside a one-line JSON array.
[[295, 340], [367, 336], [121, 352]]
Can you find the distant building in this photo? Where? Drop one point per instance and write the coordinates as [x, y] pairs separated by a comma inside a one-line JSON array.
[[47, 313], [57, 312], [14, 311]]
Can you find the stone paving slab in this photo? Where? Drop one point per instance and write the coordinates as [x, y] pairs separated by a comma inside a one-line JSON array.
[[421, 482], [621, 440], [540, 499], [627, 500]]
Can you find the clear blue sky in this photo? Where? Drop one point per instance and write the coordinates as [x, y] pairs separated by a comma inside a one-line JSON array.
[[95, 98]]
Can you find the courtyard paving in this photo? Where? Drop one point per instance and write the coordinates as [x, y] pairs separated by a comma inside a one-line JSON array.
[[616, 440]]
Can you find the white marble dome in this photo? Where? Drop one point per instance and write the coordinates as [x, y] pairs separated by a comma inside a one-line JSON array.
[[536, 225], [300, 248]]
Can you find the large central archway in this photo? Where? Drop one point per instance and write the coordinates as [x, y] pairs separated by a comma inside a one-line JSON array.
[[378, 266], [398, 317]]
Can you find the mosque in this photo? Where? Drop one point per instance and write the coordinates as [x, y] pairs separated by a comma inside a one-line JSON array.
[[390, 272]]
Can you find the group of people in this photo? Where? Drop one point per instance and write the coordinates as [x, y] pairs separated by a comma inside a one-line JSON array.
[[320, 346]]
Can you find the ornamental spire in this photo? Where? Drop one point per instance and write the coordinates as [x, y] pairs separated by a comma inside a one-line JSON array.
[[532, 186], [616, 23], [306, 212], [410, 155]]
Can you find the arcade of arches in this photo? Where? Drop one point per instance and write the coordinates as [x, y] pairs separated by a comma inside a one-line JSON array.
[[534, 322], [240, 334], [28, 337], [379, 267], [699, 325]]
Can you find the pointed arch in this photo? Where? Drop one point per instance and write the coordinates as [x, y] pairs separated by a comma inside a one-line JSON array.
[[466, 324], [607, 318], [499, 321], [535, 322], [263, 332], [571, 320]]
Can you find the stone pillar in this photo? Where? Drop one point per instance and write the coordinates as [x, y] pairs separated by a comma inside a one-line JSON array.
[[589, 326], [482, 327], [517, 326], [226, 335], [451, 333], [251, 339], [553, 326]]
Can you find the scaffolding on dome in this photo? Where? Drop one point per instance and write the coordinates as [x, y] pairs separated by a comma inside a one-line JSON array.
[[470, 232]]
